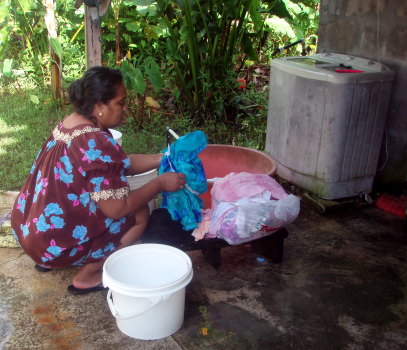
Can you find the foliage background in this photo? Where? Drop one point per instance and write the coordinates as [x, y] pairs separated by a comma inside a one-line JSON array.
[[188, 64]]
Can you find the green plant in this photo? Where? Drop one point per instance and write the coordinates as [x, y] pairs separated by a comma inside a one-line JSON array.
[[301, 23], [24, 38], [209, 43], [23, 35], [193, 50], [7, 75], [135, 74], [132, 29]]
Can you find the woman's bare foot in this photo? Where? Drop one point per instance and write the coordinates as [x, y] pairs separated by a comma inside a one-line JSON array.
[[89, 275]]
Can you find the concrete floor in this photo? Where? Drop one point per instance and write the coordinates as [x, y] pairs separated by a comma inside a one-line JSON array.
[[342, 285]]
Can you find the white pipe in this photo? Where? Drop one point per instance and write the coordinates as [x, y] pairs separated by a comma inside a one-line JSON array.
[[172, 132]]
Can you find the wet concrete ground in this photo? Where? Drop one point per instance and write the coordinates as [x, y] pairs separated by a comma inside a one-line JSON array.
[[342, 285]]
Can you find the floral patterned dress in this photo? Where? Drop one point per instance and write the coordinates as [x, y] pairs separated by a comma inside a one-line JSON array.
[[56, 217]]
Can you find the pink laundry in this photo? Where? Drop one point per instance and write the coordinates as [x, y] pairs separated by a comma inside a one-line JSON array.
[[232, 188]]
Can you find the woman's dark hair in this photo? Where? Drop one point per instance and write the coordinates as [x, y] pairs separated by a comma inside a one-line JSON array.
[[98, 84]]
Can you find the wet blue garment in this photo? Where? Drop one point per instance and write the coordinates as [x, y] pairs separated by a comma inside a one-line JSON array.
[[182, 157]]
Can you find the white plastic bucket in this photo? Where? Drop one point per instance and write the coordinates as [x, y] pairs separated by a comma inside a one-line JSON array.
[[117, 136], [147, 289], [136, 181]]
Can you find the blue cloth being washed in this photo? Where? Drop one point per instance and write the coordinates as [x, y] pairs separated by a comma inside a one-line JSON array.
[[182, 157]]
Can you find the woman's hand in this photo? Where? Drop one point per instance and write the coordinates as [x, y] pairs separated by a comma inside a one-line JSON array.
[[171, 182]]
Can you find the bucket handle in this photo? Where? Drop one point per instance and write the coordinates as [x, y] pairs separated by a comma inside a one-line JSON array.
[[115, 313]]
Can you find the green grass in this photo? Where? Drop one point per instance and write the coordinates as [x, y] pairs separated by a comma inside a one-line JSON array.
[[24, 127]]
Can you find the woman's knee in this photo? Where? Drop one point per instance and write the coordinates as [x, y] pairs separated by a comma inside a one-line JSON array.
[[135, 232]]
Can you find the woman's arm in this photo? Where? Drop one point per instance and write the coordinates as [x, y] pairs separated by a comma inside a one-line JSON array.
[[141, 163], [117, 208]]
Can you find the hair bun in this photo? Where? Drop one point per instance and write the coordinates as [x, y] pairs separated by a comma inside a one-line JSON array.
[[75, 93], [98, 84]]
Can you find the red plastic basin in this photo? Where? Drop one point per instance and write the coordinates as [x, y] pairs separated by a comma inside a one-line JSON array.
[[220, 160]]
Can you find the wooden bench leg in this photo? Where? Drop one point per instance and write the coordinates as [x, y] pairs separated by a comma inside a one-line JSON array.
[[271, 247], [211, 249]]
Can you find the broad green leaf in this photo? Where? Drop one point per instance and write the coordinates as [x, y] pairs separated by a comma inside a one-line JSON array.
[[138, 81], [153, 73], [154, 32], [142, 10], [162, 26], [127, 68], [143, 2], [248, 47], [4, 35], [299, 30], [293, 8], [150, 33], [150, 10], [127, 37], [128, 71], [25, 5], [34, 99], [4, 11], [133, 27], [279, 9], [56, 46], [7, 67], [255, 14]]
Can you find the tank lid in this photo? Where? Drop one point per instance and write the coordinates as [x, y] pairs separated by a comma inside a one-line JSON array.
[[336, 68]]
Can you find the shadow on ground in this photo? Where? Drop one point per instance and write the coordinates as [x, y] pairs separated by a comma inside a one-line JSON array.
[[342, 285]]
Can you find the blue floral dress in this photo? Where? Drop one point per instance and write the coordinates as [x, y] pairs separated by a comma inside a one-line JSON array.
[[56, 217]]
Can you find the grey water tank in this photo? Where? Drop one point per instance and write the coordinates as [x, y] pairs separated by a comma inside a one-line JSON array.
[[326, 120]]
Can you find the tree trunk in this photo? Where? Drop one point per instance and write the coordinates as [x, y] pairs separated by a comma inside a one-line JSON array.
[[116, 25], [116, 12], [93, 37], [56, 63]]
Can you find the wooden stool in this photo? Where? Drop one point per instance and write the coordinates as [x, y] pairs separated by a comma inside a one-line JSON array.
[[163, 230]]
